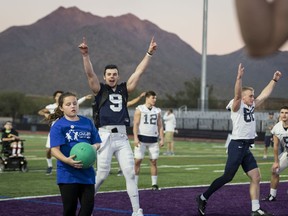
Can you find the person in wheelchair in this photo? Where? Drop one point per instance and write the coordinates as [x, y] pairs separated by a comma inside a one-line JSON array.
[[11, 141]]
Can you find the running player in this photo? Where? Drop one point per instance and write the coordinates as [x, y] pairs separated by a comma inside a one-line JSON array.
[[147, 130], [170, 125], [113, 119], [280, 137], [243, 135]]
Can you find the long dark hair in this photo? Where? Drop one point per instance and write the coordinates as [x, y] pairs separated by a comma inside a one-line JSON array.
[[58, 112]]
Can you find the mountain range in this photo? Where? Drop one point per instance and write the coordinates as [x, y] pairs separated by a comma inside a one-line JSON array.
[[40, 58]]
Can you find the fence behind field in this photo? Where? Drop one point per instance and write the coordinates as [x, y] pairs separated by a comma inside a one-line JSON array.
[[189, 123]]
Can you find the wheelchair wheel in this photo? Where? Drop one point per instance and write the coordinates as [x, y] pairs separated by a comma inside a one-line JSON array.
[[24, 168]]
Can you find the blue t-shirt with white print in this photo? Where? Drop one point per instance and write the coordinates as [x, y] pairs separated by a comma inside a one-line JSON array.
[[66, 134]]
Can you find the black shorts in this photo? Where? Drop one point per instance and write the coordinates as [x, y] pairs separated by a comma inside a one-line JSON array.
[[239, 154], [267, 141]]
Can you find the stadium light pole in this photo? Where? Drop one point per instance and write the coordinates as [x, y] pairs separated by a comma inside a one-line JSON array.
[[204, 97]]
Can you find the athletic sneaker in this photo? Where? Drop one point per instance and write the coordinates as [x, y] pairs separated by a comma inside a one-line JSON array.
[[269, 198], [155, 187], [201, 205], [49, 171], [261, 212], [138, 213]]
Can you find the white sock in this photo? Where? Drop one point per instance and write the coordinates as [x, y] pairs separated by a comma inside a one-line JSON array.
[[136, 179], [13, 151], [255, 205], [273, 192], [202, 197], [154, 180], [49, 162]]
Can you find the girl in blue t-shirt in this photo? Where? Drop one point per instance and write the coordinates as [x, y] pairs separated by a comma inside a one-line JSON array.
[[68, 129]]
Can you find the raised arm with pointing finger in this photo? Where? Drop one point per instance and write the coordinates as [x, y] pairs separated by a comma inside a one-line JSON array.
[[134, 78]]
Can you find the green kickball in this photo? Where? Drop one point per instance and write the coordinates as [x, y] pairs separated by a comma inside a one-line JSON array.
[[85, 153]]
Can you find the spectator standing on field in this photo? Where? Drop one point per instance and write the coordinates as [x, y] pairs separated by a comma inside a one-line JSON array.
[[170, 125]]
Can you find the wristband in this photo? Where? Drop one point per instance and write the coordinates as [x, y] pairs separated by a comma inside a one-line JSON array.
[[149, 54], [275, 80]]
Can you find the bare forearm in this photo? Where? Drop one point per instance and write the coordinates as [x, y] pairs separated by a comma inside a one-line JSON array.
[[266, 92], [237, 94], [135, 131], [58, 154], [134, 101], [275, 152], [91, 76], [161, 133], [134, 78]]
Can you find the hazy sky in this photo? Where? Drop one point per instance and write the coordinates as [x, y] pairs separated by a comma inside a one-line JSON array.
[[182, 17]]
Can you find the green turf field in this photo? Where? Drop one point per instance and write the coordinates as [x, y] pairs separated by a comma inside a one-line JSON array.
[[195, 163]]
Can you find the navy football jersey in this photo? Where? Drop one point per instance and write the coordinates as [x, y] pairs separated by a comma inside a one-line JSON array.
[[114, 110]]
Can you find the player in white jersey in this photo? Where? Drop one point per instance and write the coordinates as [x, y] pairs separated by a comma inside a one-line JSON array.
[[243, 134], [147, 130], [49, 109], [280, 137]]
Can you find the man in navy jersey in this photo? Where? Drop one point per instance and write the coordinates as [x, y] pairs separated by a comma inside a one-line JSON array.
[[113, 119], [243, 134]]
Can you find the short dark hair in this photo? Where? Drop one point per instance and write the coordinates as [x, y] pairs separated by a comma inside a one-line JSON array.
[[110, 66], [57, 92], [284, 107], [150, 93]]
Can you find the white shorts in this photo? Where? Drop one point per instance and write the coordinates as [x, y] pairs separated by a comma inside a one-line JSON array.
[[48, 141], [153, 149], [114, 144], [283, 161]]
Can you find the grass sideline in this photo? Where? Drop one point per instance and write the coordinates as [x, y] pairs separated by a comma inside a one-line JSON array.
[[195, 163]]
